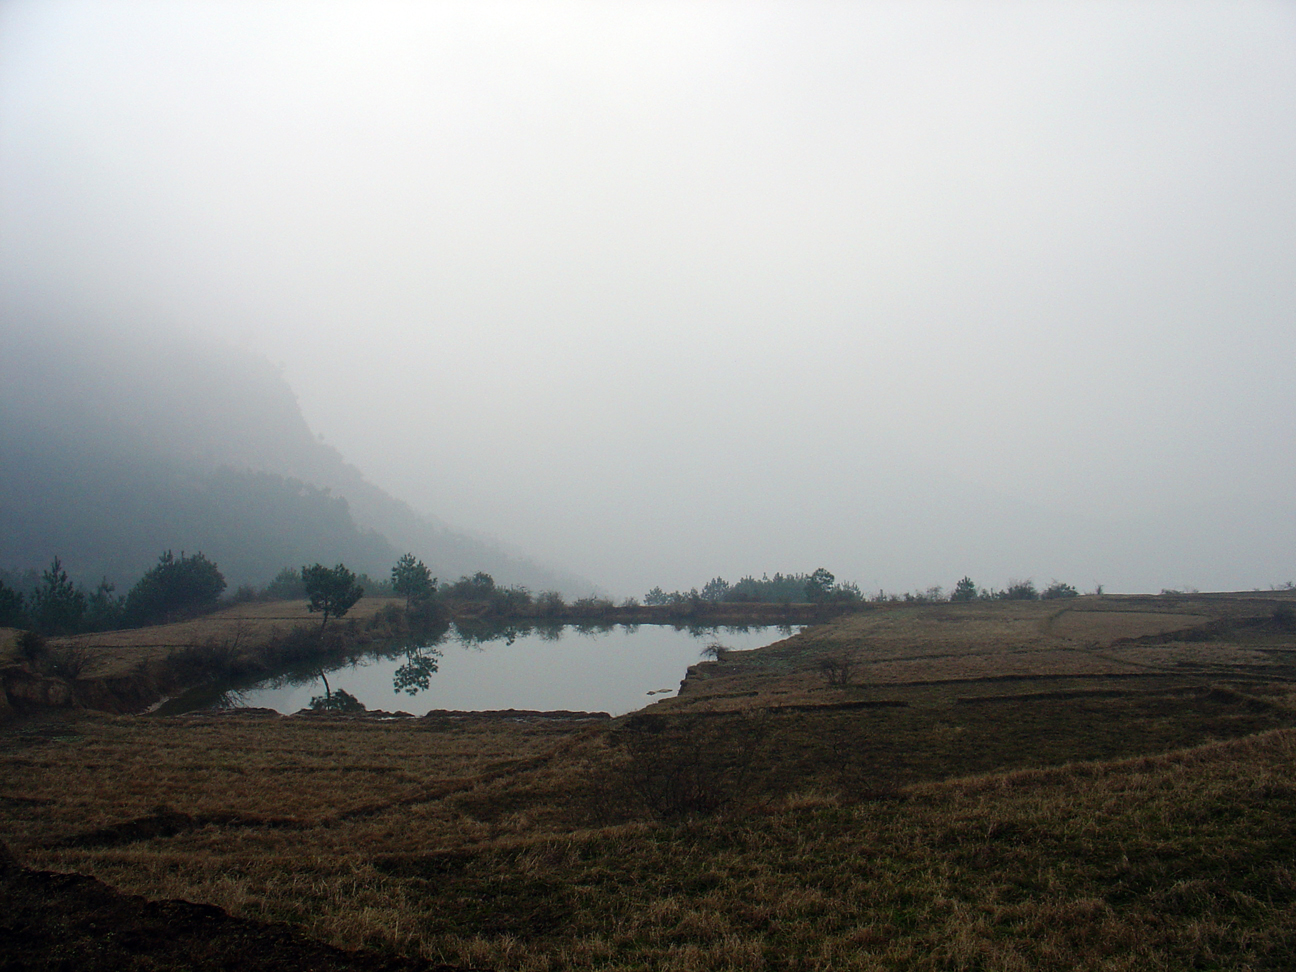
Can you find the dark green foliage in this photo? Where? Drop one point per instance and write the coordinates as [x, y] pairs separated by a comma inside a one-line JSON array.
[[1059, 589], [479, 587], [412, 580], [592, 606], [57, 606], [13, 611], [779, 589], [104, 611], [331, 590], [339, 701], [287, 586], [487, 599], [415, 675], [382, 587], [549, 604], [964, 590], [174, 588], [820, 585], [715, 590], [933, 595], [1019, 591], [512, 601], [658, 598]]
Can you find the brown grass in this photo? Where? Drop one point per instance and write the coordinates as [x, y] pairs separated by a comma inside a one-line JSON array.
[[118, 653], [1134, 812]]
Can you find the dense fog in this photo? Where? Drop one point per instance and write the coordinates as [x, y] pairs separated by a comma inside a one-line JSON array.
[[654, 292]]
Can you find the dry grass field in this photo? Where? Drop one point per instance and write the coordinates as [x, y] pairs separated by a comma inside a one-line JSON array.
[[1103, 783], [113, 654]]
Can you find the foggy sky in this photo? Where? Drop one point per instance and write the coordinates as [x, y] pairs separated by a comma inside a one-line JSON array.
[[660, 291]]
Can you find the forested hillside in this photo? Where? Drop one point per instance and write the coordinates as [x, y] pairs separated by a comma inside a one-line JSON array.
[[113, 448]]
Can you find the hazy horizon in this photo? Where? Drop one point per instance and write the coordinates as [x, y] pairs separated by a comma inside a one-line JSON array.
[[655, 292]]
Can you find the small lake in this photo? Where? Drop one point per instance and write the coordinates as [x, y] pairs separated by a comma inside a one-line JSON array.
[[614, 670]]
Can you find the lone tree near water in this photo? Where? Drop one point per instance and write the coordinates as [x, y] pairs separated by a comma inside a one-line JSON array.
[[332, 590], [412, 580]]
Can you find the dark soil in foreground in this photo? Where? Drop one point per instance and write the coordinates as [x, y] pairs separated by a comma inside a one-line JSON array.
[[68, 922]]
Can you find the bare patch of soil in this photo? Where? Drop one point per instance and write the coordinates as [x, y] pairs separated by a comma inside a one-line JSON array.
[[65, 921]]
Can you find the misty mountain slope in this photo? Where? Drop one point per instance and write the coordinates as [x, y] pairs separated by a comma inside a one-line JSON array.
[[112, 450]]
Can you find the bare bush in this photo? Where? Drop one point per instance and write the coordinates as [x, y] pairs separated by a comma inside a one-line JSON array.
[[67, 662], [715, 651], [837, 669]]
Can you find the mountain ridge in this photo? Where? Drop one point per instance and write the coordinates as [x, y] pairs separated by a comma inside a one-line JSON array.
[[116, 446]]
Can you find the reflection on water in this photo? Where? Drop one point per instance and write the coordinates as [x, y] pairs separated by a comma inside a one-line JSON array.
[[592, 667], [415, 675]]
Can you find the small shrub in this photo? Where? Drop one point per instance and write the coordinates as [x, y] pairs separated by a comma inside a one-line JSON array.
[[339, 701], [837, 669], [1019, 590], [550, 604], [1058, 589], [715, 651], [592, 606]]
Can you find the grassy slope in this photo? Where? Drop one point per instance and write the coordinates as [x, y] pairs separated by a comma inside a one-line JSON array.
[[958, 830]]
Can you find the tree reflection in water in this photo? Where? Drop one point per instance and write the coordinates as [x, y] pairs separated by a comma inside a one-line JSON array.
[[420, 664], [619, 670]]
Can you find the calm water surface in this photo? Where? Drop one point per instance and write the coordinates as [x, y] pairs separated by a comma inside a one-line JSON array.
[[614, 671]]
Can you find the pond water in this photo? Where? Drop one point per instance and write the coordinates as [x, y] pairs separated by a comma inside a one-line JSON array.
[[614, 670]]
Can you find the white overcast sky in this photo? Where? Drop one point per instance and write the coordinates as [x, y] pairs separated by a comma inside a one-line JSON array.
[[659, 291]]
